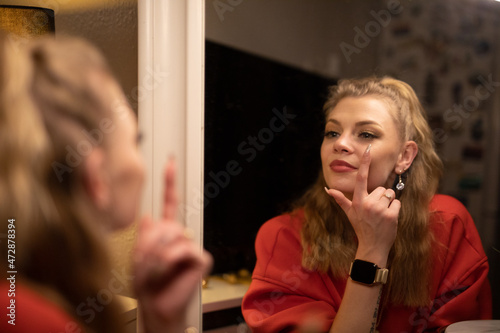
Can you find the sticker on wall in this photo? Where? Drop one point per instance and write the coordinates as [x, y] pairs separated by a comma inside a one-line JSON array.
[[470, 182], [456, 92], [477, 130], [472, 152], [482, 47], [430, 89]]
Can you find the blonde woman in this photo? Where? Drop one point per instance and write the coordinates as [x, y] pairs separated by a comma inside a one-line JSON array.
[[70, 174], [371, 247]]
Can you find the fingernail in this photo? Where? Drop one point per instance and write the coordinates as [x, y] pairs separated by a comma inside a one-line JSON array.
[[326, 189], [368, 148]]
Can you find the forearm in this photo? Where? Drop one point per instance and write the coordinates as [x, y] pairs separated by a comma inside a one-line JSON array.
[[359, 310]]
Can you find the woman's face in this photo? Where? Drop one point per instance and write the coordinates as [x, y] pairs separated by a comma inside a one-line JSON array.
[[124, 162], [351, 126]]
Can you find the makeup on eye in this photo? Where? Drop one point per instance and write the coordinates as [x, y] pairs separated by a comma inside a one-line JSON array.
[[330, 134], [368, 135], [363, 134]]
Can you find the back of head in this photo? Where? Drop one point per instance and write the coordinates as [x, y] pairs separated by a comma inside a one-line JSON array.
[[69, 89], [24, 145], [50, 98]]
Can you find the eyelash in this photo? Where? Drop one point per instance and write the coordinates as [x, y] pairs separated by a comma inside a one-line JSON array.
[[364, 135], [330, 134], [368, 135]]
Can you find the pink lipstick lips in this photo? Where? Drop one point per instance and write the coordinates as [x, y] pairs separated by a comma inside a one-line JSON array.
[[341, 166]]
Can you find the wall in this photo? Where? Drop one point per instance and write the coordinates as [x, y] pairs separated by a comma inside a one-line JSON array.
[[299, 33], [113, 29], [112, 26]]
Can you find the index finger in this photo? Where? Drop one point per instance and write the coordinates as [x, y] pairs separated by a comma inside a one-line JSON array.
[[170, 191], [361, 186]]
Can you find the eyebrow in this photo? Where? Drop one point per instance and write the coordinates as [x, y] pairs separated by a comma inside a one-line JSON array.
[[358, 124]]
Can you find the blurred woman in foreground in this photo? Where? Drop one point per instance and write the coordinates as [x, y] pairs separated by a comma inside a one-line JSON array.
[[71, 172]]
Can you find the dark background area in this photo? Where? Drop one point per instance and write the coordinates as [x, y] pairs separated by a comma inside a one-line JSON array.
[[244, 94]]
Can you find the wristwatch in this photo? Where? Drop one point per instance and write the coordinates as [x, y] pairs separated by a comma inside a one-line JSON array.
[[367, 273]]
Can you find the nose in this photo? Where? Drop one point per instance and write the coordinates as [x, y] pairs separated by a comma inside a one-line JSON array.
[[342, 144]]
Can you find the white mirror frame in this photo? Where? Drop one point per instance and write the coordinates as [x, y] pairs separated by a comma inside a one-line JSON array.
[[171, 109]]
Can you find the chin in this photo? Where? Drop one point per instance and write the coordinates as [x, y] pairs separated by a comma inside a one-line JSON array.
[[340, 184], [122, 221]]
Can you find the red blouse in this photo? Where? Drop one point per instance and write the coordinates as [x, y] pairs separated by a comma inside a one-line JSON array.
[[283, 294], [25, 311]]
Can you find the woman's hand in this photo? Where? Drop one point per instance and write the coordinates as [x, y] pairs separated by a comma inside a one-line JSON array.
[[374, 216], [168, 266]]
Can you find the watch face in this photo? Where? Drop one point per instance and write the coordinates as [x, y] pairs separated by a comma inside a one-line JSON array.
[[363, 271]]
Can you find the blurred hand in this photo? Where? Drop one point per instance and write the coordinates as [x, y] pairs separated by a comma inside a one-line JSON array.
[[168, 265], [374, 216]]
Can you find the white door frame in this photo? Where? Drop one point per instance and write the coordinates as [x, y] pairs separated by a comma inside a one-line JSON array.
[[171, 108]]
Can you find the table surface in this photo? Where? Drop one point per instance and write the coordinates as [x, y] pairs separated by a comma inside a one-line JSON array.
[[474, 326], [220, 294]]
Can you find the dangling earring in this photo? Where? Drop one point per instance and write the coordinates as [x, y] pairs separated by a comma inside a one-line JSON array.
[[400, 186]]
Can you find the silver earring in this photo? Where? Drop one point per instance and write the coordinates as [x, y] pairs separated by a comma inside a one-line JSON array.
[[400, 186]]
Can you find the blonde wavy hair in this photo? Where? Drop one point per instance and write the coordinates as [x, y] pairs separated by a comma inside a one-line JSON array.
[[46, 101], [327, 235]]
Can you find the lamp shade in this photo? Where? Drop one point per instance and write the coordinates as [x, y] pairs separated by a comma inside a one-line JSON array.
[[26, 21]]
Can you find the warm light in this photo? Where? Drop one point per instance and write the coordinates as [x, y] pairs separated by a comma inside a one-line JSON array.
[[26, 21], [68, 6]]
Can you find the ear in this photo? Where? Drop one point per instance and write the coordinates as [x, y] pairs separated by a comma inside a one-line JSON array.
[[406, 157], [95, 179]]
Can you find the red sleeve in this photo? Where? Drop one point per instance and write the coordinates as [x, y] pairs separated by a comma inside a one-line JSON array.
[[283, 295], [23, 311], [461, 288]]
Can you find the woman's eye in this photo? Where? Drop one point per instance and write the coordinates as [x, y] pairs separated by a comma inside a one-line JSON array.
[[331, 134], [367, 135]]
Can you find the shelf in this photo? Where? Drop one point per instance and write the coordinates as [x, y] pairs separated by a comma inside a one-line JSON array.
[[220, 294], [129, 306], [129, 315]]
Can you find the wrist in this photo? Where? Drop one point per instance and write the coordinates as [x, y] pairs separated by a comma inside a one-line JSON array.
[[377, 257]]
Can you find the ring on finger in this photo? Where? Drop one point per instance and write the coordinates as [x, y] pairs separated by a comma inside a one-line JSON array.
[[388, 196]]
